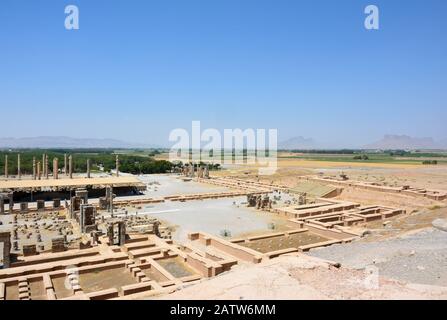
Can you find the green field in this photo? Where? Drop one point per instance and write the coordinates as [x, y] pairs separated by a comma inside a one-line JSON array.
[[411, 158]]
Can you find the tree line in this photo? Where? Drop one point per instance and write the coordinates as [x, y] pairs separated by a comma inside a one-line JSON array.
[[100, 160]]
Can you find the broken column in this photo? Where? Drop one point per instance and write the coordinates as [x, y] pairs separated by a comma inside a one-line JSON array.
[[2, 204], [38, 171], [5, 237], [6, 166], [88, 168], [43, 164], [87, 218], [206, 173], [109, 197], [116, 232], [103, 203], [192, 170], [29, 250], [19, 172], [55, 168], [34, 168], [40, 204], [83, 194], [65, 164], [251, 200], [70, 166], [58, 244], [122, 233], [117, 166], [46, 167], [23, 207], [56, 203], [75, 205], [11, 202]]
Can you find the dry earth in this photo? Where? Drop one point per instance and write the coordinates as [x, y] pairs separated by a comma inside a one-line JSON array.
[[303, 277]]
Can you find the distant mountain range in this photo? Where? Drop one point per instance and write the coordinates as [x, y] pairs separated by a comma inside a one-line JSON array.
[[67, 142], [390, 141], [298, 143]]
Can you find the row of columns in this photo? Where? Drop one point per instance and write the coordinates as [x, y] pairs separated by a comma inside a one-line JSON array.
[[38, 172], [39, 169]]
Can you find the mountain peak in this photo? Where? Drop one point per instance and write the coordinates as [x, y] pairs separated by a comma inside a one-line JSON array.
[[298, 142], [394, 141]]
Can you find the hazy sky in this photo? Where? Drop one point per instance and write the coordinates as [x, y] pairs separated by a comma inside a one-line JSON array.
[[137, 69]]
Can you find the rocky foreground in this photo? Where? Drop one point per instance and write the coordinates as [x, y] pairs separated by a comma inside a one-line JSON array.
[[299, 276]]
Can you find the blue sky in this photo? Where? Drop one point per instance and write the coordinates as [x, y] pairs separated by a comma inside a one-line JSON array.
[[137, 69]]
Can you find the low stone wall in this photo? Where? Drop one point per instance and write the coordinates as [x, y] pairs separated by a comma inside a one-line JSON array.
[[232, 249]]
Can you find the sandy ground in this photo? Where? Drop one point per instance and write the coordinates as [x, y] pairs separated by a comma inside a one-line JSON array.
[[303, 277], [161, 185], [370, 197], [212, 216], [289, 170]]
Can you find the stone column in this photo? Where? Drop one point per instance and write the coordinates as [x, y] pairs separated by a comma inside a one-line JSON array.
[[38, 170], [47, 173], [109, 197], [65, 165], [122, 233], [5, 237], [70, 166], [55, 168], [34, 168], [206, 173], [6, 166], [19, 172], [11, 202], [117, 166], [88, 168], [192, 170], [43, 164], [87, 218], [83, 194], [2, 204]]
